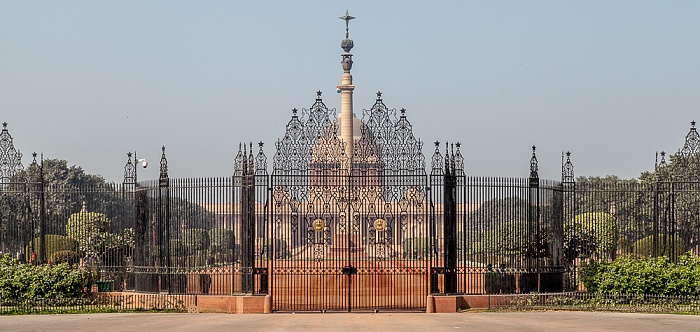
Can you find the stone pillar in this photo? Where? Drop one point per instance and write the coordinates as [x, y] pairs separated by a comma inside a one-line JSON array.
[[346, 113]]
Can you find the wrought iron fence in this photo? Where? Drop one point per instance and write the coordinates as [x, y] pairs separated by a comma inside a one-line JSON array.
[[597, 302], [313, 223], [128, 302]]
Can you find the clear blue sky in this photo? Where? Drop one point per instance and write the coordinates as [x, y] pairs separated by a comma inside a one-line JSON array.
[[612, 81]]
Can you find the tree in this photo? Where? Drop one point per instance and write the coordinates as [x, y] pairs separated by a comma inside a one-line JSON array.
[[591, 232], [91, 230], [678, 182]]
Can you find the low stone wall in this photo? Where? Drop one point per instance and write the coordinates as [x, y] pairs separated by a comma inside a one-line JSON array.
[[233, 304]]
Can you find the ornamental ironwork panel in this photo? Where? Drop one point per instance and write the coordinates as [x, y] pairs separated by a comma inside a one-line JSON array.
[[343, 223], [10, 158]]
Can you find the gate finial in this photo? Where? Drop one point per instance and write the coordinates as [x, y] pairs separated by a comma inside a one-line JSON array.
[[533, 164], [567, 168], [10, 158]]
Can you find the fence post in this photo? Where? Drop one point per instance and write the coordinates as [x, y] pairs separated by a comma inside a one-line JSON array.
[[42, 213], [569, 212], [248, 223], [533, 228], [450, 223], [164, 223], [142, 281]]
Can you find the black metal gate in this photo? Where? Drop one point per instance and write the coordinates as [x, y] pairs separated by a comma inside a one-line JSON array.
[[350, 232]]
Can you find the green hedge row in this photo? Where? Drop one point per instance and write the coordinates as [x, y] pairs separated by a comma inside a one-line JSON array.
[[26, 282], [628, 275]]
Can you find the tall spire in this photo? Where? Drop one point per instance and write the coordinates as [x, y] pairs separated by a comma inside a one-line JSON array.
[[347, 44], [346, 89], [347, 19]]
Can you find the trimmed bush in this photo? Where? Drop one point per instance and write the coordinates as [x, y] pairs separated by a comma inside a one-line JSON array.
[[627, 275], [64, 256], [672, 246], [54, 243]]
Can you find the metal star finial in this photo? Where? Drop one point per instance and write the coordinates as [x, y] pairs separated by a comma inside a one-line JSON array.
[[379, 95], [4, 125], [318, 94], [692, 123], [347, 19]]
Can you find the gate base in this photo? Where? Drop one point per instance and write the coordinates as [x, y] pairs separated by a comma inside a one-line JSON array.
[[455, 303], [446, 304], [242, 304]]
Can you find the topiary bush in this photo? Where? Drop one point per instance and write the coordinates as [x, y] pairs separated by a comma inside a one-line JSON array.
[[659, 276], [64, 256], [54, 243], [671, 246]]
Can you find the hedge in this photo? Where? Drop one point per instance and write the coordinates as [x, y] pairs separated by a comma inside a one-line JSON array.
[[21, 282], [659, 276]]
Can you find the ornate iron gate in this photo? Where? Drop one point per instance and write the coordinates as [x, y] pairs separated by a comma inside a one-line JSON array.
[[344, 227]]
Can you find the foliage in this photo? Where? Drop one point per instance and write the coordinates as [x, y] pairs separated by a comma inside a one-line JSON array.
[[195, 239], [97, 243], [417, 247], [221, 239], [188, 215], [671, 246], [491, 213], [53, 243], [64, 256], [68, 187], [592, 231], [627, 275], [88, 228], [579, 245], [25, 282]]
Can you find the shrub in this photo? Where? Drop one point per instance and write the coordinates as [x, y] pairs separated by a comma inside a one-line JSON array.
[[26, 282], [54, 243], [64, 256], [83, 225], [417, 247], [195, 239], [589, 232], [628, 275], [672, 246], [221, 239]]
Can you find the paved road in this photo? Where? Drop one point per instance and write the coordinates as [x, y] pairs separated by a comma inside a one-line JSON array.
[[475, 321]]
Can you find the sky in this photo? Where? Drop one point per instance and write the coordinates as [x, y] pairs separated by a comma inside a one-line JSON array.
[[611, 81]]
